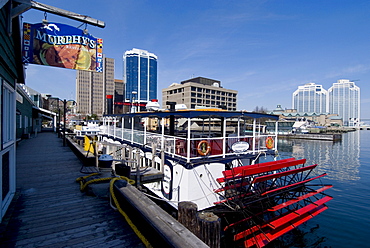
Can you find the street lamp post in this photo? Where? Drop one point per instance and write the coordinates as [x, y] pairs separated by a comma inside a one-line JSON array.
[[64, 119], [58, 129], [133, 108], [64, 122], [52, 106]]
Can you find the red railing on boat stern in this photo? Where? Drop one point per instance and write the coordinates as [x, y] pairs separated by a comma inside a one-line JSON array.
[[271, 198]]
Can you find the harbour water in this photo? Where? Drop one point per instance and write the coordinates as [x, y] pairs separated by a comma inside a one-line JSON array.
[[347, 162]]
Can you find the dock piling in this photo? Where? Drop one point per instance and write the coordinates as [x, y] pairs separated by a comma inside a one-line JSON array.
[[205, 225], [209, 228], [187, 215]]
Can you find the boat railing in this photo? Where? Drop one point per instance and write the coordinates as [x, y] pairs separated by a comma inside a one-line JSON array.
[[190, 148]]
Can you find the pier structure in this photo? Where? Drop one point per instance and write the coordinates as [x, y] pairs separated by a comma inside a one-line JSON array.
[[49, 210]]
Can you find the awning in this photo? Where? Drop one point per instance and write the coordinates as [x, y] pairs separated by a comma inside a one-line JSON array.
[[47, 116]]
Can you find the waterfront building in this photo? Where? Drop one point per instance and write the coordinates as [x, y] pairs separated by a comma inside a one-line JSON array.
[[200, 92], [92, 89], [344, 100], [11, 72], [310, 97], [288, 117], [140, 77]]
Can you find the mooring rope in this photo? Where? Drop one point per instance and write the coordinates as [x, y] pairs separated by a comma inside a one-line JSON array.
[[83, 186], [127, 218]]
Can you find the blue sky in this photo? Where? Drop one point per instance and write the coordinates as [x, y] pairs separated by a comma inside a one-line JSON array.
[[262, 49]]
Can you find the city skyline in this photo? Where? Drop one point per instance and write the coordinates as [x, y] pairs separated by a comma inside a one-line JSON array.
[[263, 49], [342, 98]]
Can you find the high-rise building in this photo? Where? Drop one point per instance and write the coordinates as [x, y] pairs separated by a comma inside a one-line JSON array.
[[92, 89], [310, 97], [118, 96], [140, 76], [201, 92], [344, 100]]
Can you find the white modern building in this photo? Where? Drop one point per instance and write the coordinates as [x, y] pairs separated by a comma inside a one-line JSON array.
[[344, 100], [310, 97]]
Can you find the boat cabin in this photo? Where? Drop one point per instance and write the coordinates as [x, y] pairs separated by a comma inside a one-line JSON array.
[[193, 134]]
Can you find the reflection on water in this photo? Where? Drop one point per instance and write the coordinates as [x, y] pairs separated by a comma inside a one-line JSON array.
[[347, 164], [340, 160]]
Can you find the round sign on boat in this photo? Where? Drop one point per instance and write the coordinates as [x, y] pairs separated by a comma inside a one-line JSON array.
[[240, 146]]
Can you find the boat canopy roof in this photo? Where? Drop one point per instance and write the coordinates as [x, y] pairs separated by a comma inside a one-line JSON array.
[[198, 114]]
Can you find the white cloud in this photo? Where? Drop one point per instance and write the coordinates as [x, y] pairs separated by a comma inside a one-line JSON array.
[[349, 71]]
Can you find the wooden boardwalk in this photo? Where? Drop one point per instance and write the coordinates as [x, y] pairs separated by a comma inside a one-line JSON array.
[[50, 211]]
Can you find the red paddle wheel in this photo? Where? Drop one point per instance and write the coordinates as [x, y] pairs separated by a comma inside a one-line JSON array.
[[261, 202]]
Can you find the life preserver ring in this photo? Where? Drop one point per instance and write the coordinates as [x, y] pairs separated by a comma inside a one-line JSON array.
[[204, 148], [269, 143]]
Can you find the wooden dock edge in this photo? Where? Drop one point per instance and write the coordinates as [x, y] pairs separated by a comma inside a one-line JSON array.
[[89, 160], [161, 229]]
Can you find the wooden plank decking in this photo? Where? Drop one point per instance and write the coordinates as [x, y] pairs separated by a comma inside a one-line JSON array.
[[50, 211]]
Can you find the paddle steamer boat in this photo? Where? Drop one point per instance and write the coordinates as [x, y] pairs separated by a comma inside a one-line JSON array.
[[226, 163]]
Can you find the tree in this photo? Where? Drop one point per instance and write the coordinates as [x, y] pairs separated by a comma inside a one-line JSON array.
[[92, 117], [261, 110]]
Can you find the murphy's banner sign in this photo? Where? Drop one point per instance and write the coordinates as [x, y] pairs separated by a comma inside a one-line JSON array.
[[60, 45]]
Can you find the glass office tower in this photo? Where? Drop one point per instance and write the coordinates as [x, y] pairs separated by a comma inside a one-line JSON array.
[[310, 98], [344, 100], [140, 76]]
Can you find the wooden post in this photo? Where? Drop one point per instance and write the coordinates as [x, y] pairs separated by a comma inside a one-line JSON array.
[[205, 225], [209, 229], [187, 215]]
